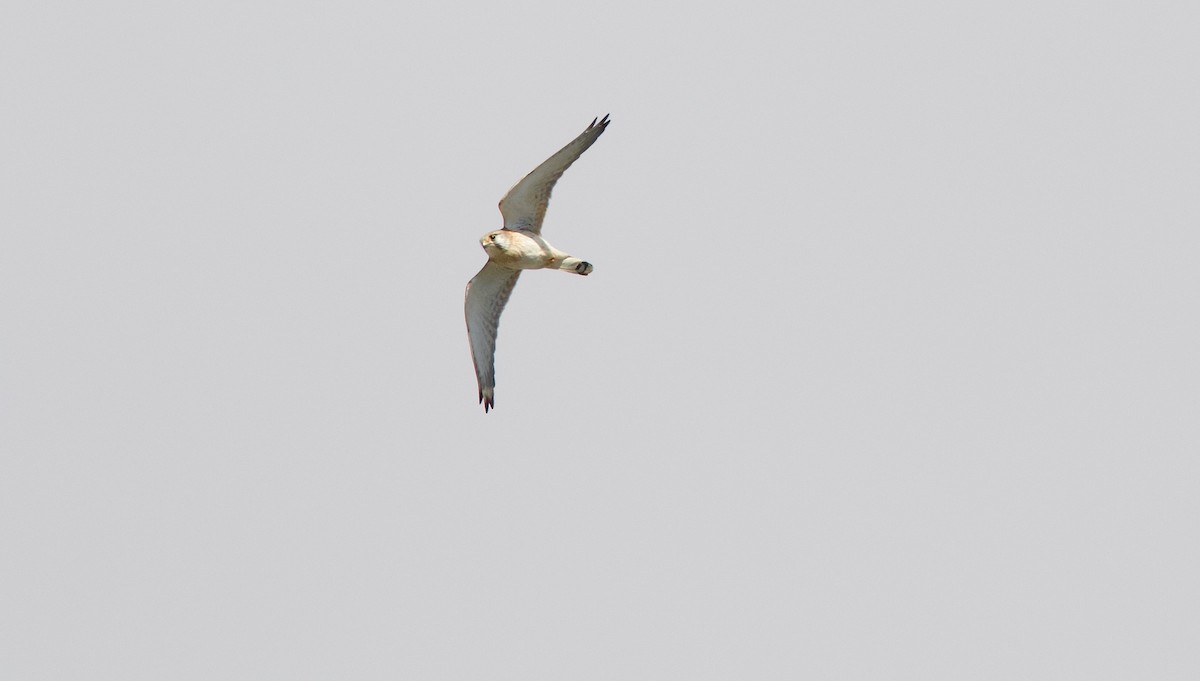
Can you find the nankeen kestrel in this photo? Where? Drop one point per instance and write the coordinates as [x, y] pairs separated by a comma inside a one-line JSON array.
[[518, 246]]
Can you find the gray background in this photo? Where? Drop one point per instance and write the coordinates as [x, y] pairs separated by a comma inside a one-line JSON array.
[[887, 369]]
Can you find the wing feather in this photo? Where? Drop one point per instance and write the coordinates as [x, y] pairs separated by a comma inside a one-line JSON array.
[[487, 294], [524, 206]]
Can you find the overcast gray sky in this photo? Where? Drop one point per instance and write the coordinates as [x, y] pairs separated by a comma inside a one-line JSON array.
[[887, 369]]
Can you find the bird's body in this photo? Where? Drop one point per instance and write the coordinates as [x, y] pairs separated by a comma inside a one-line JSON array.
[[527, 251], [518, 246]]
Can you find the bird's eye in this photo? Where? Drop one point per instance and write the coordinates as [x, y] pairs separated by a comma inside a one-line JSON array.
[[493, 237]]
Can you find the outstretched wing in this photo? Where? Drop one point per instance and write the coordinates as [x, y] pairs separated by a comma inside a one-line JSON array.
[[524, 206], [486, 295]]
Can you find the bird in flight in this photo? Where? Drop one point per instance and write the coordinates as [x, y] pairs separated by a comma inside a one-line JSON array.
[[518, 246]]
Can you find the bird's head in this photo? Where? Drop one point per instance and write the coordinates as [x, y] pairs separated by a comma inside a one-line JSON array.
[[495, 241]]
